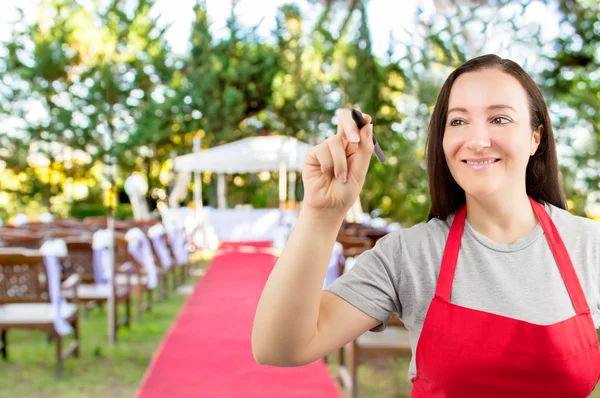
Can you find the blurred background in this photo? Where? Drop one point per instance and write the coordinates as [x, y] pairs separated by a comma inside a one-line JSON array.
[[95, 91], [87, 84]]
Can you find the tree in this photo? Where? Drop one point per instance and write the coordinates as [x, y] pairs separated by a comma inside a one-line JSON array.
[[228, 89], [228, 82], [85, 96], [572, 83], [96, 92]]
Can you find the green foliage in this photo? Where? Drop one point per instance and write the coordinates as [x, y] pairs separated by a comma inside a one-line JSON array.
[[227, 83], [107, 88], [84, 210], [98, 91], [124, 212], [572, 83]]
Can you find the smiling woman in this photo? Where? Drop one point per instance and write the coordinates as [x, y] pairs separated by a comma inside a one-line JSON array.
[[489, 109], [499, 290]]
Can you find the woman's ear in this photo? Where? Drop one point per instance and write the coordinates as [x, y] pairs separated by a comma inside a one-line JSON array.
[[536, 138]]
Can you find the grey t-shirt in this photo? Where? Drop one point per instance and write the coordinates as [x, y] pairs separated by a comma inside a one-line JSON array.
[[519, 280]]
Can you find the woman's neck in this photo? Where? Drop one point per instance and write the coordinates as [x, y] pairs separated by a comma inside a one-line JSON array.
[[502, 218]]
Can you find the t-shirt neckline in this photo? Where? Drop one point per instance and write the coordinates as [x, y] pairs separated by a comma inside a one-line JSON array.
[[517, 245]]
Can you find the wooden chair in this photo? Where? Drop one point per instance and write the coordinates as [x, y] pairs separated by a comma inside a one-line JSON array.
[[68, 233], [95, 223], [25, 303], [170, 273], [351, 228], [353, 247], [163, 273], [394, 341], [68, 223], [125, 225], [34, 226], [23, 239], [80, 261], [184, 269], [373, 233], [136, 279]]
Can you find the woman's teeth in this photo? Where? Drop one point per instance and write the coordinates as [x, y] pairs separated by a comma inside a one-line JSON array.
[[481, 163]]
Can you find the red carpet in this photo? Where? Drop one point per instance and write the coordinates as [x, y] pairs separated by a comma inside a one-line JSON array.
[[207, 352]]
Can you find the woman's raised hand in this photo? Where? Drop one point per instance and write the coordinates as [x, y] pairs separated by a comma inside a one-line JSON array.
[[334, 171]]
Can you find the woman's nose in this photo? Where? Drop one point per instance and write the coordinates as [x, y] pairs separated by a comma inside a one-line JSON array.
[[478, 138]]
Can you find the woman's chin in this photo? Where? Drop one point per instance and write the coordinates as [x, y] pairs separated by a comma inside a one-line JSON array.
[[481, 192]]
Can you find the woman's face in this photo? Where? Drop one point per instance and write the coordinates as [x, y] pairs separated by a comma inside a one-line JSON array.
[[488, 138]]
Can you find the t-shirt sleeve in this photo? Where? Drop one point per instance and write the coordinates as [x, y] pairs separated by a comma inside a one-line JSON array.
[[371, 284]]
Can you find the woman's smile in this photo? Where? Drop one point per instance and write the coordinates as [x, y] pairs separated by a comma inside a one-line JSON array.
[[478, 164]]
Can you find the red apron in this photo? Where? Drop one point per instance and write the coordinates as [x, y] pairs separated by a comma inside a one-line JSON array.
[[464, 353]]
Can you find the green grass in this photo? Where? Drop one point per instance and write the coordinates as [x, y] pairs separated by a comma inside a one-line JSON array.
[[380, 378], [101, 370]]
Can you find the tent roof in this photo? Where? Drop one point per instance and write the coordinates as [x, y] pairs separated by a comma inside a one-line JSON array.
[[249, 155]]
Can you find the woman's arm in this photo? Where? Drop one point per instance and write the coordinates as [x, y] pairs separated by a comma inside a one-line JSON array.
[[296, 321]]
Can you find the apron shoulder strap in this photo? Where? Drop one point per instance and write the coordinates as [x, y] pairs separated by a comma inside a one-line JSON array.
[[563, 260], [444, 284]]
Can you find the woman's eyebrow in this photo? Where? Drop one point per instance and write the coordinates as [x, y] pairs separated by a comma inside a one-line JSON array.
[[496, 106], [501, 106]]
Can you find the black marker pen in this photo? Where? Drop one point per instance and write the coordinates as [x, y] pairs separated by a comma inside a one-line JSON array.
[[360, 123]]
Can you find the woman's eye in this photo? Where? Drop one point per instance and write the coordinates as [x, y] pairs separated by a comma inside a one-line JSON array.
[[456, 122], [500, 120]]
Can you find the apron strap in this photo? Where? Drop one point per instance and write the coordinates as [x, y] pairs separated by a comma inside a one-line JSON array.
[[565, 266], [559, 251], [444, 284]]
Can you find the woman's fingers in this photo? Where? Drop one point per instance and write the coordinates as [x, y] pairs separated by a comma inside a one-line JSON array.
[[347, 126], [362, 158], [338, 155], [324, 159], [330, 156]]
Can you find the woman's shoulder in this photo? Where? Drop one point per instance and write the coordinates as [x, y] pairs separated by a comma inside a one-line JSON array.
[[581, 235], [423, 233], [571, 224]]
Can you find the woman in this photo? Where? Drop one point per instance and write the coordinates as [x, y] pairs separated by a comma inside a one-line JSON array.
[[495, 289]]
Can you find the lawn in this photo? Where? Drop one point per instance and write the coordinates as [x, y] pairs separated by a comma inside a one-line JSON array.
[[100, 371], [380, 378]]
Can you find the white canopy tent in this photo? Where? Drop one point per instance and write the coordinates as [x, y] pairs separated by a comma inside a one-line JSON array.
[[250, 155]]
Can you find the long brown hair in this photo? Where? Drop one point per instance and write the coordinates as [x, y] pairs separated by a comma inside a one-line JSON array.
[[542, 175]]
